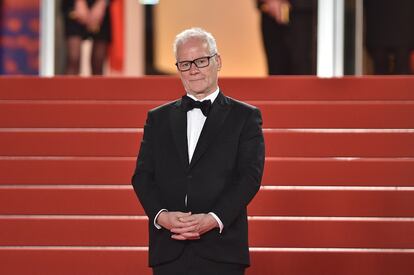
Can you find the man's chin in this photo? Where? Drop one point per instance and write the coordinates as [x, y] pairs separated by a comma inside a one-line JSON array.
[[197, 90]]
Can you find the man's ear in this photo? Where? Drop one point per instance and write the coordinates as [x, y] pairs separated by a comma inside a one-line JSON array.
[[218, 60]]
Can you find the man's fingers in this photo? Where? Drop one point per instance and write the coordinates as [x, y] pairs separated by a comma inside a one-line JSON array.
[[193, 217], [183, 214], [178, 237], [179, 224], [182, 238], [181, 230], [187, 219], [191, 235], [186, 236]]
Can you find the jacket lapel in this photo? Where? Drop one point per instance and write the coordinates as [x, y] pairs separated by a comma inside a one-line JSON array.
[[178, 122], [212, 126]]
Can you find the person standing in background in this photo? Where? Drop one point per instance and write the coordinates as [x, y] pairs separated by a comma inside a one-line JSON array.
[[288, 34], [86, 19], [389, 35]]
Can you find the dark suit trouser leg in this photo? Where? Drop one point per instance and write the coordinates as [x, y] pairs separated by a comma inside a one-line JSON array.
[[289, 48], [273, 36], [300, 43], [189, 263], [402, 61], [380, 60]]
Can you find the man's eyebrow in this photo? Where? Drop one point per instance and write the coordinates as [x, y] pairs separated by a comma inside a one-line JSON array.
[[193, 59]]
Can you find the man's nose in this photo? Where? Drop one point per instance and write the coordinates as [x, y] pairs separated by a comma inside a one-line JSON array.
[[193, 68]]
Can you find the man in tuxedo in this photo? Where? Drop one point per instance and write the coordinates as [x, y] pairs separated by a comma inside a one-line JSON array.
[[200, 164]]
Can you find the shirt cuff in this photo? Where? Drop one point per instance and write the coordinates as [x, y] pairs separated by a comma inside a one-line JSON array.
[[156, 217], [218, 221]]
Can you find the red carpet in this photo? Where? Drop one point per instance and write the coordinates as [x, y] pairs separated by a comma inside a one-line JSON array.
[[337, 195]]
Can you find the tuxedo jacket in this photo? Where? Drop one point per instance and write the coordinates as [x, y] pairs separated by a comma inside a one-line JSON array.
[[223, 176]]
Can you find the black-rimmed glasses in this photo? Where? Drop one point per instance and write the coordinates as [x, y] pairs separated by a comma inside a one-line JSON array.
[[201, 62]]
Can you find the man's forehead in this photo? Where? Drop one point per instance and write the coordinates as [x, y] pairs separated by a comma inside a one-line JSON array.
[[193, 42], [192, 52]]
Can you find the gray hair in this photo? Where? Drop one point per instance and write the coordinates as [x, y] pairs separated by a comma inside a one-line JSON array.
[[199, 33]]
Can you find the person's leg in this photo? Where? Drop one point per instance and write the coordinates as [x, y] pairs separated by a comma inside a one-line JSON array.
[[189, 263], [201, 266], [381, 61], [402, 61], [300, 43], [98, 56], [73, 53], [273, 42], [178, 266]]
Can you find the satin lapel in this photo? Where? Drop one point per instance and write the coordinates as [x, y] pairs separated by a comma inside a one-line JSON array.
[[178, 122], [212, 126]]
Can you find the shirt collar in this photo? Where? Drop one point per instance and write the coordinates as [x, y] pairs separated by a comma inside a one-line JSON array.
[[211, 96]]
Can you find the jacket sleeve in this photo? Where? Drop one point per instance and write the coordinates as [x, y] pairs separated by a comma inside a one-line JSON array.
[[143, 179], [248, 171]]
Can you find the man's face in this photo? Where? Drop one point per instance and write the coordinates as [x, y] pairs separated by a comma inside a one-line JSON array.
[[199, 82]]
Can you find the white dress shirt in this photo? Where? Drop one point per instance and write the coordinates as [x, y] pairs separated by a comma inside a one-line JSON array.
[[195, 123]]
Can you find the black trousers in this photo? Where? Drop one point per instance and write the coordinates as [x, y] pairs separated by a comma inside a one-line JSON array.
[[189, 263], [382, 61], [289, 48]]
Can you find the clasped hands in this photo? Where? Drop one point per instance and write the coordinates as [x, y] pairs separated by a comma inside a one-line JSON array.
[[186, 226], [278, 9], [90, 17]]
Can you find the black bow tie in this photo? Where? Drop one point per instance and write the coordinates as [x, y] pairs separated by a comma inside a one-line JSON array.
[[188, 104]]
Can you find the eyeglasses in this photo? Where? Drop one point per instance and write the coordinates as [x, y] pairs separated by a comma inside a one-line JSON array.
[[201, 62]]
